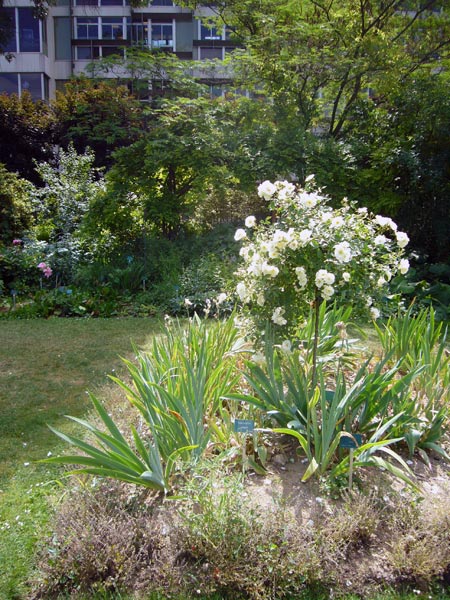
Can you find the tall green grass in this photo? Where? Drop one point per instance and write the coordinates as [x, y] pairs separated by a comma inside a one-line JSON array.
[[46, 368]]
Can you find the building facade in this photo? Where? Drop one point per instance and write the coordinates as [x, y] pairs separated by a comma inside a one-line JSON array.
[[42, 54]]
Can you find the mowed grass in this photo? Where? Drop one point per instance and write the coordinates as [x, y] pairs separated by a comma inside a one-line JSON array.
[[46, 369]]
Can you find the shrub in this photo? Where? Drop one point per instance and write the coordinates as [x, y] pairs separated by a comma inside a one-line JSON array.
[[311, 253]]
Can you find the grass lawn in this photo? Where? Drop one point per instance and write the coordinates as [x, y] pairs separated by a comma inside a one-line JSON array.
[[46, 368]]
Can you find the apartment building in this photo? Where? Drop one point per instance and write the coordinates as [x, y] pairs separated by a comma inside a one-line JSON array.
[[42, 54]]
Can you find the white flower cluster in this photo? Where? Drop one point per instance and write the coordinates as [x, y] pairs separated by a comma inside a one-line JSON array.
[[314, 252]]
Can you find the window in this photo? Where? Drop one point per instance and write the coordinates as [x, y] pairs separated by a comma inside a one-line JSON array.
[[112, 28], [138, 33], [87, 28], [162, 35], [112, 50], [210, 53], [87, 52], [111, 2], [162, 3], [17, 83], [29, 38], [210, 33], [8, 83], [8, 24], [32, 83], [63, 49]]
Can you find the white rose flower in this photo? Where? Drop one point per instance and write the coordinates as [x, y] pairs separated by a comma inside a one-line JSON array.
[[280, 238], [242, 291], [304, 236], [323, 277], [250, 222], [380, 240], [337, 222], [381, 281], [343, 252], [402, 239], [346, 276], [270, 270], [187, 302], [266, 190], [308, 200], [277, 316], [260, 300], [327, 291], [244, 252], [301, 276], [221, 298], [403, 266], [285, 189], [381, 221], [374, 313], [239, 235]]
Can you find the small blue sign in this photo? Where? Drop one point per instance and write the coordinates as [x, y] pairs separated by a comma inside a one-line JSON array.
[[244, 426], [348, 442]]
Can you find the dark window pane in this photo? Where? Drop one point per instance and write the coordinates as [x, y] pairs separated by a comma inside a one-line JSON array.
[[8, 83], [8, 25], [63, 48], [110, 50], [210, 33], [32, 82], [112, 28], [210, 53], [162, 3], [87, 28], [162, 35], [87, 52], [111, 2], [28, 31]]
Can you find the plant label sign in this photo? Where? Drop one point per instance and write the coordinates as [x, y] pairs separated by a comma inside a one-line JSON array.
[[244, 426], [348, 442]]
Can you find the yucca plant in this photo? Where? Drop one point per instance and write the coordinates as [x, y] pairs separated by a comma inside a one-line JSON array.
[[419, 342], [113, 456], [178, 386], [177, 389]]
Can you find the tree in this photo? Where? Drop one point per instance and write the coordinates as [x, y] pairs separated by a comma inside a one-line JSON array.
[[27, 134], [101, 115], [321, 55], [194, 146], [401, 155]]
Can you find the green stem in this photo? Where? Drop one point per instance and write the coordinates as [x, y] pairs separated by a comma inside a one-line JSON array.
[[315, 340]]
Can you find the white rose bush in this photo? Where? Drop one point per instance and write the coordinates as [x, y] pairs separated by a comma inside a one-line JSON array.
[[310, 252]]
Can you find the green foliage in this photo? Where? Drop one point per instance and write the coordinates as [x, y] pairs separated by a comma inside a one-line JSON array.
[[15, 205], [321, 57], [401, 155], [390, 401], [101, 115], [28, 127], [177, 390], [419, 342], [70, 186]]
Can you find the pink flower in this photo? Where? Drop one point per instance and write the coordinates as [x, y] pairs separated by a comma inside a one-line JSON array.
[[46, 270], [16, 242]]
